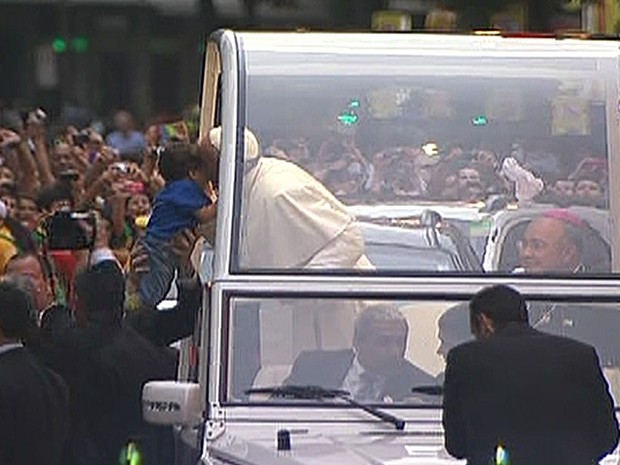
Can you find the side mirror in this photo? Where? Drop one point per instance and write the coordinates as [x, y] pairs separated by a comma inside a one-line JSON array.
[[171, 403]]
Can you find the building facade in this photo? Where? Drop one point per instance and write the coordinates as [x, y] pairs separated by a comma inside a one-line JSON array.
[[144, 55]]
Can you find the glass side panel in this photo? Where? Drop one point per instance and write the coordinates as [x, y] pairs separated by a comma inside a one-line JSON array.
[[330, 342], [403, 161]]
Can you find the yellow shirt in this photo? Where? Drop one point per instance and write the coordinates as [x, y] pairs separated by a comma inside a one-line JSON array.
[[7, 246]]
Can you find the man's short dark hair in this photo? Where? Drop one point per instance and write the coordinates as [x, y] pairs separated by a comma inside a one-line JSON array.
[[502, 304], [54, 193], [101, 289], [47, 269], [28, 196], [376, 313], [15, 309], [178, 159], [8, 189]]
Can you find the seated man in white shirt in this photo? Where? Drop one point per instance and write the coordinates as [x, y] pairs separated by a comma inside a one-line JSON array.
[[375, 369]]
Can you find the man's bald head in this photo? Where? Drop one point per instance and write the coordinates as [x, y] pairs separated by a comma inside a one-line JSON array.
[[551, 243]]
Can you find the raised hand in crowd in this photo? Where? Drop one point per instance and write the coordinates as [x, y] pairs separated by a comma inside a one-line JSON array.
[[103, 185], [102, 159], [8, 138], [41, 153], [17, 159]]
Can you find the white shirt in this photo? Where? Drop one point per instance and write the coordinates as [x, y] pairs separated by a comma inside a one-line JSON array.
[[359, 388]]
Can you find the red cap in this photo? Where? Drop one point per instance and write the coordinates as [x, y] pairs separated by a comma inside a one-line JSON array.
[[565, 215]]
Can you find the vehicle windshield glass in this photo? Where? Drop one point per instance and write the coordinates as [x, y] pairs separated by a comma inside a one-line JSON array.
[[418, 138], [378, 350]]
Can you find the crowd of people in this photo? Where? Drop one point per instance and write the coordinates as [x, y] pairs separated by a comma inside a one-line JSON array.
[[90, 315], [118, 172], [73, 377], [86, 313], [46, 167], [447, 174]]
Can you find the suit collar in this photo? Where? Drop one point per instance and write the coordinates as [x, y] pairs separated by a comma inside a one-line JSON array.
[[8, 347], [515, 329]]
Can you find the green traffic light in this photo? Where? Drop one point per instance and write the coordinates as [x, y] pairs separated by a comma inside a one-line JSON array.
[[480, 120], [348, 119], [80, 44], [59, 45]]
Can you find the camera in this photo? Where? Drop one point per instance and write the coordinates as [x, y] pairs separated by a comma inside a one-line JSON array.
[[69, 176], [71, 230], [121, 167], [81, 138], [37, 116]]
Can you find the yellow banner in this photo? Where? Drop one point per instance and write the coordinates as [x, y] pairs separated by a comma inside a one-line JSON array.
[[391, 21]]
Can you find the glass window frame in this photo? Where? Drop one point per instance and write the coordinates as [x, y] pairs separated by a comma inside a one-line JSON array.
[[405, 289], [234, 267]]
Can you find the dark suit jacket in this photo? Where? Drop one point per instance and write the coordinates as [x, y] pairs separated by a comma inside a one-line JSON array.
[[596, 325], [163, 327], [111, 388], [542, 397], [328, 369], [105, 364], [34, 411]]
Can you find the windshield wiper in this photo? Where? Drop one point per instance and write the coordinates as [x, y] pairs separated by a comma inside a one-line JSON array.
[[431, 390], [320, 393]]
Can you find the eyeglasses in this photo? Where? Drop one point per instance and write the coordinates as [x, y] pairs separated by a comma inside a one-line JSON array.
[[534, 244]]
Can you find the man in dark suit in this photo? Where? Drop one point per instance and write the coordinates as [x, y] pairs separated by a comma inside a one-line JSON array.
[[560, 241], [34, 404], [106, 363], [540, 398], [375, 370]]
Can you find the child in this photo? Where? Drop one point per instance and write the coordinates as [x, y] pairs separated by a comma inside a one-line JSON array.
[[182, 204]]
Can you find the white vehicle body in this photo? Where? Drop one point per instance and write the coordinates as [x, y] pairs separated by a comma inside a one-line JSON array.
[[258, 319]]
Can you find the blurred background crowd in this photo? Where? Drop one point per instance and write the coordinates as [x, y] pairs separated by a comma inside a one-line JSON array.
[[111, 169], [69, 306], [67, 70], [453, 173], [147, 55]]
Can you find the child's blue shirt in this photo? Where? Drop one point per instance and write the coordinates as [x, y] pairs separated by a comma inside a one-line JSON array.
[[175, 207]]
